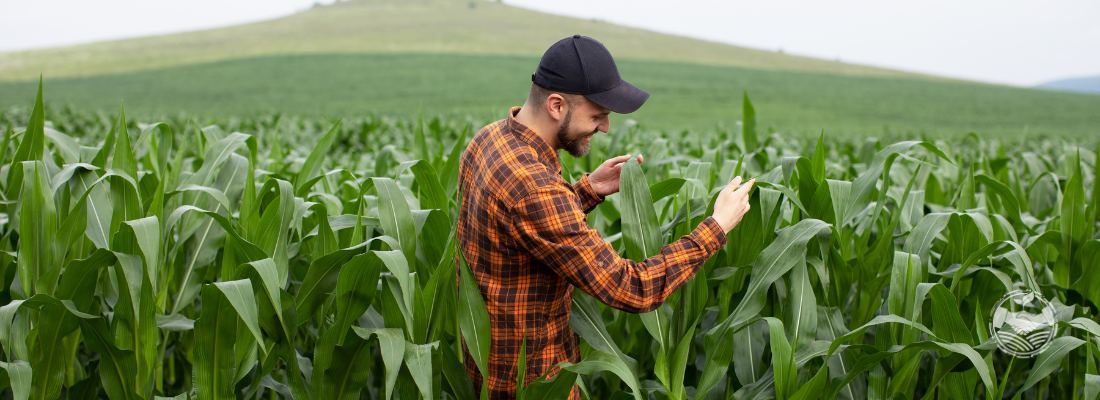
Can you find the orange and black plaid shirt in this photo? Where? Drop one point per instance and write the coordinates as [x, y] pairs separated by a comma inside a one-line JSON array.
[[523, 231]]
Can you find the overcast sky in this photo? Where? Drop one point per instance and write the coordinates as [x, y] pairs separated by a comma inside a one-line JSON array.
[[1020, 42]]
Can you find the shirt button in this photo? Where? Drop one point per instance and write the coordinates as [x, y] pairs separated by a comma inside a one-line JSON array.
[[600, 263]]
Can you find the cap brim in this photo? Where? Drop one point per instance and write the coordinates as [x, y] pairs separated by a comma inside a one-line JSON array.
[[622, 99]]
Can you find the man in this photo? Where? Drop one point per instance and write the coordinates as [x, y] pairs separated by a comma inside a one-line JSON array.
[[522, 227]]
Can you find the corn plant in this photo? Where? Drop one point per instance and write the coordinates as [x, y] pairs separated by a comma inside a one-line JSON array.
[[317, 259]]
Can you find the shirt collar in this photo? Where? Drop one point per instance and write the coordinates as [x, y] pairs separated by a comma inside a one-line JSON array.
[[547, 154]]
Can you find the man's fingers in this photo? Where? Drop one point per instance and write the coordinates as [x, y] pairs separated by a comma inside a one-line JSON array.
[[617, 161], [733, 184], [747, 186]]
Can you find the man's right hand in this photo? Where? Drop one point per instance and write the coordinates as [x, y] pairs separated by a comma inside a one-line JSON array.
[[732, 204]]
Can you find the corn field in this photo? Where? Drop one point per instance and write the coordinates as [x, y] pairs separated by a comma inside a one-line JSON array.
[[315, 259]]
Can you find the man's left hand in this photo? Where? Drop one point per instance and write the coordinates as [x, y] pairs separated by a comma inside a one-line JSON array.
[[605, 179]]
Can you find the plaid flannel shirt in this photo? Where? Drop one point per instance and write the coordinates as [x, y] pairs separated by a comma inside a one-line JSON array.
[[523, 231]]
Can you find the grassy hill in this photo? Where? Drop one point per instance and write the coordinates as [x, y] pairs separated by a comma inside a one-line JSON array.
[[684, 95], [399, 26], [475, 57]]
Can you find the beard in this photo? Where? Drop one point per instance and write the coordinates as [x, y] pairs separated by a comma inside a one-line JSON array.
[[575, 147]]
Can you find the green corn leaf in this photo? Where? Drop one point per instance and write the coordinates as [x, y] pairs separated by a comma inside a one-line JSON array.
[[783, 367], [33, 144], [1093, 213], [639, 220], [748, 351], [37, 227], [585, 320], [98, 207], [299, 387], [124, 154], [1092, 386], [678, 364], [355, 289], [321, 277], [906, 273], [418, 359], [456, 375], [240, 295], [920, 238], [656, 322], [1010, 202], [215, 156], [346, 382], [599, 361], [19, 375], [665, 188], [557, 387], [521, 366], [832, 327], [473, 317], [135, 326], [395, 216], [431, 193], [448, 175], [65, 145], [215, 334], [1048, 360], [434, 238], [144, 237], [315, 161], [818, 159], [801, 312], [116, 367], [1073, 226], [392, 344], [748, 129], [57, 319], [946, 321]]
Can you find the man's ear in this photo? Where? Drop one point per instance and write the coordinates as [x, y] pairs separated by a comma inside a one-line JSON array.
[[556, 107]]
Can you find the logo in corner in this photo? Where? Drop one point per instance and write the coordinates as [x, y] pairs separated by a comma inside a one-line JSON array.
[[1023, 323]]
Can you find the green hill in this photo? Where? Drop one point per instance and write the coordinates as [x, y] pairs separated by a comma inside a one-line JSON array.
[[399, 26], [684, 95], [475, 58]]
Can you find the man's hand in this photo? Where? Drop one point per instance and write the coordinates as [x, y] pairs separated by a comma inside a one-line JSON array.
[[732, 204], [605, 179]]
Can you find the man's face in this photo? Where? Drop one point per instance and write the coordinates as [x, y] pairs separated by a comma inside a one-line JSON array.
[[582, 121]]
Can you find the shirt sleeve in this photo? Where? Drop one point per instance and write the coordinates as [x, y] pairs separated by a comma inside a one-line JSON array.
[[587, 199], [549, 223]]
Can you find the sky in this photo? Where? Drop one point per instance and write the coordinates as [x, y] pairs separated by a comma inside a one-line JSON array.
[[1016, 42]]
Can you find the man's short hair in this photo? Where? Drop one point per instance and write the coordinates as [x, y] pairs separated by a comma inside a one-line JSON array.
[[538, 95]]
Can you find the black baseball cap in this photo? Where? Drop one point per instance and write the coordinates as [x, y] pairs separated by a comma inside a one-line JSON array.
[[581, 65]]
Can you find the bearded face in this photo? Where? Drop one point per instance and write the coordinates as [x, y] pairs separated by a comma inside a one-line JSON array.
[[576, 143]]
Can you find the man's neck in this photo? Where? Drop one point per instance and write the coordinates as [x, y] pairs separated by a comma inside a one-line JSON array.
[[538, 124]]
